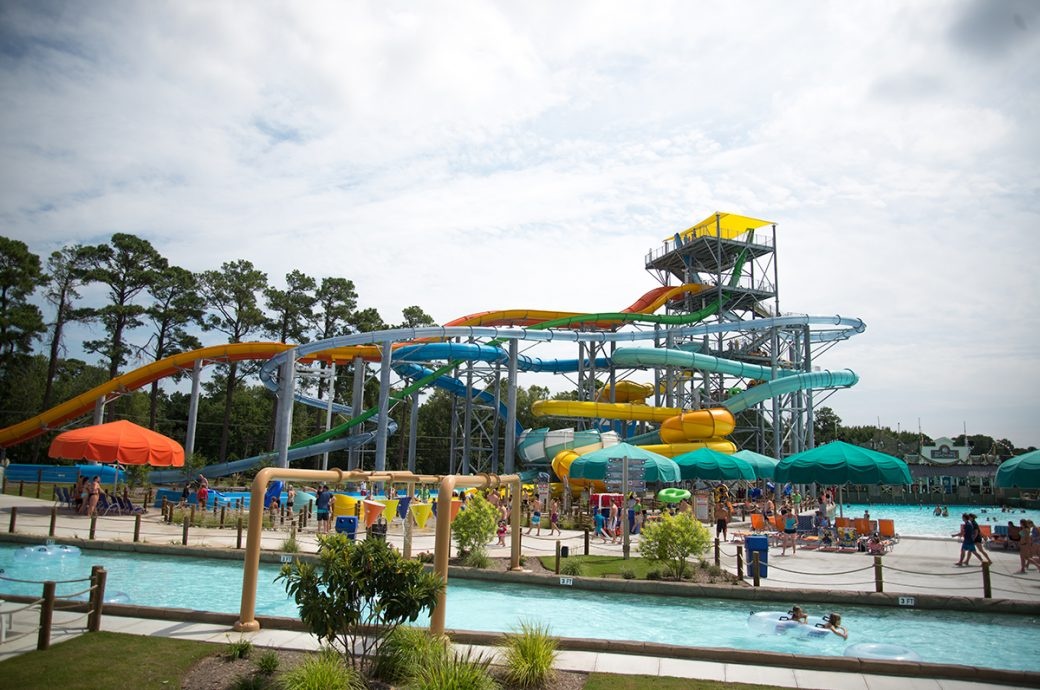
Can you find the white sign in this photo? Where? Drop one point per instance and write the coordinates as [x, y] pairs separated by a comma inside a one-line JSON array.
[[907, 601], [566, 581], [286, 558]]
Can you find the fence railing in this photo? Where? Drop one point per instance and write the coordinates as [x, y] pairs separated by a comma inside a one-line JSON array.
[[49, 602]]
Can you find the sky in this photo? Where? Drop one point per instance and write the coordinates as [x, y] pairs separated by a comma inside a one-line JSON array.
[[469, 156]]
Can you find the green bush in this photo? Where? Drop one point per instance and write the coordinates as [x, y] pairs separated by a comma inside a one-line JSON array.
[[628, 573], [455, 672], [425, 557], [529, 656], [475, 525], [672, 540], [238, 649], [477, 558], [290, 545], [404, 652], [571, 566], [325, 671], [267, 664], [653, 574], [250, 682], [358, 592]]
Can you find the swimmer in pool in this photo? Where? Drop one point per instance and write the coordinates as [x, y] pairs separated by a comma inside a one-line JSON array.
[[797, 614], [835, 626]]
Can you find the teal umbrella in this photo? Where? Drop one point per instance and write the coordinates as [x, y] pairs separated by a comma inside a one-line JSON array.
[[842, 463], [706, 463], [593, 465], [763, 464], [1022, 471]]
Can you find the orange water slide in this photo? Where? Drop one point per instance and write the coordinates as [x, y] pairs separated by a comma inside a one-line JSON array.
[[142, 376]]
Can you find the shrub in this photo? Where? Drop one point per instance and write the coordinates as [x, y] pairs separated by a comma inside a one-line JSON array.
[[628, 573], [267, 664], [238, 649], [653, 574], [477, 558], [404, 652], [325, 671], [249, 682], [474, 527], [358, 593], [290, 545], [571, 566], [455, 672], [425, 557], [672, 540], [530, 655]]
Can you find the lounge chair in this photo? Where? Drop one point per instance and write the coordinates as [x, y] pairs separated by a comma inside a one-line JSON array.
[[887, 529], [104, 507], [63, 497], [758, 522], [127, 507]]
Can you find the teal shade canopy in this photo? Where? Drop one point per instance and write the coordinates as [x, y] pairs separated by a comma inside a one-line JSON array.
[[763, 464], [708, 464], [1022, 471], [593, 465], [842, 463]]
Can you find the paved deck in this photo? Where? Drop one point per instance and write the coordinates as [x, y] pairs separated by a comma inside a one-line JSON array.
[[919, 566]]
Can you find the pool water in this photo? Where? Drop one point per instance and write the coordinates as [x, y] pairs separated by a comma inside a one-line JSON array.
[[921, 521], [995, 641]]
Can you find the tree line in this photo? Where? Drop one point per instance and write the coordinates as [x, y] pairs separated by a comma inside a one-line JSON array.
[[151, 309]]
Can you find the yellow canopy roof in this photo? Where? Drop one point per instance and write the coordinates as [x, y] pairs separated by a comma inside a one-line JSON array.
[[729, 224]]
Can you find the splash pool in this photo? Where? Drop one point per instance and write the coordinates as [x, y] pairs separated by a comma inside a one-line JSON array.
[[921, 521], [994, 641]]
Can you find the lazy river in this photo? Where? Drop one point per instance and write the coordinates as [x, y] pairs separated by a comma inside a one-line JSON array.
[[994, 641]]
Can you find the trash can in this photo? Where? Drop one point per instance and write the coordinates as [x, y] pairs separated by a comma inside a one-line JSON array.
[[378, 530], [757, 544], [347, 524], [565, 551]]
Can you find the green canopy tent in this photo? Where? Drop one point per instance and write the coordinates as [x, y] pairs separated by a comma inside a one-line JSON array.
[[1022, 471], [763, 464], [657, 468], [842, 463], [709, 464]]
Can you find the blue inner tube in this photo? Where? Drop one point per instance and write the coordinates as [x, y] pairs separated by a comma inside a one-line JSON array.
[[881, 650]]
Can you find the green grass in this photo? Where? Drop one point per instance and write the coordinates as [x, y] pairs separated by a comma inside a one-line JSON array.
[[110, 660], [598, 566]]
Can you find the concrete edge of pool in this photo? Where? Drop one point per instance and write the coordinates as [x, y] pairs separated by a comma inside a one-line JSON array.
[[620, 586]]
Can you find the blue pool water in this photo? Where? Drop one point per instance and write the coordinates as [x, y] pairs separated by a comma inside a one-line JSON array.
[[920, 520], [997, 641]]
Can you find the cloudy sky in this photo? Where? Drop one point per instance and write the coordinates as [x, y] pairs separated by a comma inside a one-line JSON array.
[[466, 156]]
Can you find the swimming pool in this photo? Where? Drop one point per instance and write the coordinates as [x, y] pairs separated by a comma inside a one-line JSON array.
[[987, 640], [921, 521]]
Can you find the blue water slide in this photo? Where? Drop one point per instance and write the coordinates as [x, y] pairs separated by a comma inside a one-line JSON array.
[[453, 386], [843, 378]]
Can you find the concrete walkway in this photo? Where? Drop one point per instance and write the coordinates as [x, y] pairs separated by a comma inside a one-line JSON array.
[[917, 566]]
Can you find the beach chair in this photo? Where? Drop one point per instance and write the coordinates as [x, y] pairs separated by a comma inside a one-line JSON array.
[[126, 507], [758, 522], [63, 497], [986, 531], [842, 522], [887, 529], [862, 526], [104, 507], [806, 524]]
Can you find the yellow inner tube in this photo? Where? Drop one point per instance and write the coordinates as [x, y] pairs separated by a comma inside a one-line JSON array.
[[672, 495]]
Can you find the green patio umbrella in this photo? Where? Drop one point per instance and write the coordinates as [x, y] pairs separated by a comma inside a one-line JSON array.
[[842, 463], [593, 465], [1022, 471], [705, 463], [763, 464]]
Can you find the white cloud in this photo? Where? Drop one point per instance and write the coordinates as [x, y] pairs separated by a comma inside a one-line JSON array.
[[471, 156]]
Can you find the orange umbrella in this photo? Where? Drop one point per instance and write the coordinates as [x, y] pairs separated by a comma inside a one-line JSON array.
[[122, 441]]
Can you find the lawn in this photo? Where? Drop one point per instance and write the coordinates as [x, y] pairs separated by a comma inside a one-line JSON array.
[[117, 661]]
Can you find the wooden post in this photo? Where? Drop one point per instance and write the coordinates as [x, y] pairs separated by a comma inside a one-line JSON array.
[[184, 528], [14, 517], [43, 641], [718, 553], [98, 577], [557, 556], [223, 510], [54, 521], [239, 545], [756, 568], [740, 564], [21, 487], [137, 528], [987, 588], [586, 541], [879, 584], [93, 525], [39, 482]]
